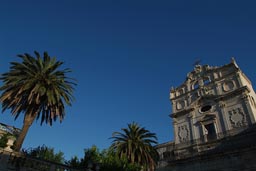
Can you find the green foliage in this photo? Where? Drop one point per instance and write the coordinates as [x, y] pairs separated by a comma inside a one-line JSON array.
[[46, 153], [131, 150], [4, 140], [110, 161], [107, 160], [38, 88], [136, 145], [91, 156], [74, 162]]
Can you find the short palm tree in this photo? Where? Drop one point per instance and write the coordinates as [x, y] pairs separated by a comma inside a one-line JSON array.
[[38, 88], [136, 145]]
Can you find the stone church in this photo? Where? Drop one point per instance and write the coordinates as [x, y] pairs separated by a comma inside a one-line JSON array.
[[214, 118]]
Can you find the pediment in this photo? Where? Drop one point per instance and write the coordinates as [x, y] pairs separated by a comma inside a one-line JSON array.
[[202, 100], [208, 117]]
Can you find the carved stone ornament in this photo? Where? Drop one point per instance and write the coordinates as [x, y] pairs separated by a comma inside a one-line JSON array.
[[228, 86], [183, 133], [180, 105], [222, 104], [245, 96], [198, 69], [237, 118]]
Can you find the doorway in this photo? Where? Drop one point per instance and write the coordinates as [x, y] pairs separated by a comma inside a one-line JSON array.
[[211, 131]]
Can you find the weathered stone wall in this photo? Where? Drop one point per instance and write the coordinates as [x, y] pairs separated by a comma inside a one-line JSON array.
[[240, 160], [233, 153], [10, 161]]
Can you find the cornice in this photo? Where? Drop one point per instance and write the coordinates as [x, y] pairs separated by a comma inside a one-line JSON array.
[[231, 94], [181, 113]]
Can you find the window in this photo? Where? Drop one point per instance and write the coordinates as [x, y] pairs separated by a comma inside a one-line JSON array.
[[206, 108]]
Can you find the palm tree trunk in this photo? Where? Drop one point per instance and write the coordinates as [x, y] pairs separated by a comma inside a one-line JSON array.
[[28, 120]]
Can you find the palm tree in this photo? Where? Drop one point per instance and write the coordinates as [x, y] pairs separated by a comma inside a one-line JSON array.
[[37, 88], [136, 144]]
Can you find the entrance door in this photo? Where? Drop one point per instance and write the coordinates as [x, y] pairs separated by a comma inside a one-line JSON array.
[[211, 135]]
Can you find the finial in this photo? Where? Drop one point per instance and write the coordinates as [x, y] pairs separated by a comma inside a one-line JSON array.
[[233, 60], [197, 62]]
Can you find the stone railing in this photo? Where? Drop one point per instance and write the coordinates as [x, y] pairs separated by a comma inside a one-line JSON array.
[[19, 162]]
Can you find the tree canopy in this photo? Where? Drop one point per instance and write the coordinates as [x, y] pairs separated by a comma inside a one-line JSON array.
[[37, 87], [46, 153], [136, 144]]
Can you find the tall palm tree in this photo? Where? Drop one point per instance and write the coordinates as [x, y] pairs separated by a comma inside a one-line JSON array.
[[136, 144], [38, 88]]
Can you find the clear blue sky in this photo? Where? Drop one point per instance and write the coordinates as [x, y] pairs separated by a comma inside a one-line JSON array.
[[126, 55]]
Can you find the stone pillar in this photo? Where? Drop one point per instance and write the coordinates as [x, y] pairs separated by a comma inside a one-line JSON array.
[[225, 126], [218, 88], [176, 139], [204, 139], [191, 127], [248, 109], [240, 81]]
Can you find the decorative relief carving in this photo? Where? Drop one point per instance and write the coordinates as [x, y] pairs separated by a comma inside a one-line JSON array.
[[199, 71], [228, 86], [237, 118], [183, 133], [178, 92], [245, 96], [206, 90], [222, 104]]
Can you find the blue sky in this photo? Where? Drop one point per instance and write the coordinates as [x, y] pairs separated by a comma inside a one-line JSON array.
[[126, 55]]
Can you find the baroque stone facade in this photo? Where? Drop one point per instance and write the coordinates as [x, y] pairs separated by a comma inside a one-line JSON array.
[[212, 105]]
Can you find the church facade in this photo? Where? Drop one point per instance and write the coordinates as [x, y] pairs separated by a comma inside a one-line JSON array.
[[214, 116]]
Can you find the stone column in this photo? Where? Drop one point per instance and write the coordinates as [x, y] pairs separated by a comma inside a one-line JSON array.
[[223, 115], [176, 139], [191, 126], [240, 81], [248, 108], [204, 133]]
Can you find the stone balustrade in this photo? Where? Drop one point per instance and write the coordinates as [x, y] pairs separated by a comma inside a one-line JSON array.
[[19, 162]]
